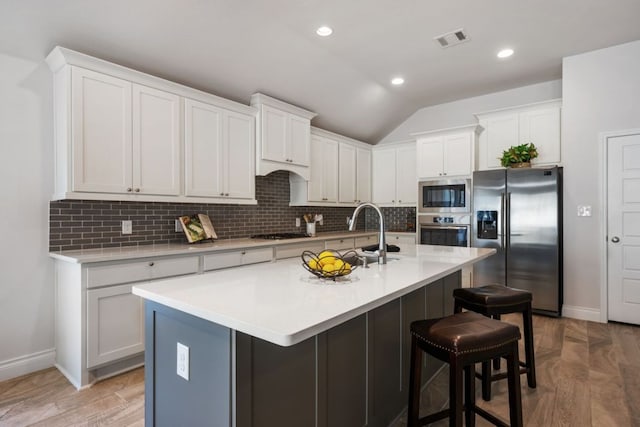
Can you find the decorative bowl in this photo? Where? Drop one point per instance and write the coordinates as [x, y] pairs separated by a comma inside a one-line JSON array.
[[328, 264]]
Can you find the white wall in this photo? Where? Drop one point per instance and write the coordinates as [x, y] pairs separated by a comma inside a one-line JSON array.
[[460, 113], [26, 171], [601, 93]]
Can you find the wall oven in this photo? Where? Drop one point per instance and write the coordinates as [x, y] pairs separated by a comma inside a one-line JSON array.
[[447, 195], [444, 230]]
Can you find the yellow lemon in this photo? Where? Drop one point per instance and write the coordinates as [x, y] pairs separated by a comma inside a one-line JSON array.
[[328, 268], [346, 269], [313, 264], [338, 263]]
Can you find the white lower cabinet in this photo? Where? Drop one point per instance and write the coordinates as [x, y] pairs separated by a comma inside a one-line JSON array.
[[339, 244], [237, 258], [115, 324], [402, 240]]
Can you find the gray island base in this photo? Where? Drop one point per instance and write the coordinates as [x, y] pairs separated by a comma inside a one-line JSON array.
[[354, 374]]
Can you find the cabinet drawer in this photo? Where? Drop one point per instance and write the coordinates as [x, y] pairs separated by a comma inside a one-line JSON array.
[[294, 250], [339, 244], [365, 241], [115, 324], [113, 274], [236, 258], [401, 239]]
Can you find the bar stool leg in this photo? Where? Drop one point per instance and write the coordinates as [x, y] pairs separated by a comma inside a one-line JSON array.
[[413, 413], [496, 361], [457, 307], [469, 395], [513, 378], [527, 323], [486, 381], [455, 392]]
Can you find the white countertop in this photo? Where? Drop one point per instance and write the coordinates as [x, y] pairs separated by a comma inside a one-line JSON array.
[[147, 251], [282, 303]]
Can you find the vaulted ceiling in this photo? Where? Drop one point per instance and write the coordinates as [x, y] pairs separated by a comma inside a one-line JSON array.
[[234, 48]]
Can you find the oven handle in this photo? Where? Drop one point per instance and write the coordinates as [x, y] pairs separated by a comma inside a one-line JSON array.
[[445, 227]]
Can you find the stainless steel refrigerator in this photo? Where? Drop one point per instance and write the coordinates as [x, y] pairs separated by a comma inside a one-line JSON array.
[[518, 212]]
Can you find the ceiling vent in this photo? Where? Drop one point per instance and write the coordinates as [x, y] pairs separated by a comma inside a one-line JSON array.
[[451, 39]]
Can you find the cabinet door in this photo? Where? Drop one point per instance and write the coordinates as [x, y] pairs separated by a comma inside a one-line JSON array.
[[274, 134], [203, 149], [384, 176], [316, 172], [115, 324], [299, 135], [457, 154], [430, 154], [239, 157], [101, 132], [347, 174], [406, 179], [542, 127], [156, 141], [499, 134], [363, 175], [330, 171]]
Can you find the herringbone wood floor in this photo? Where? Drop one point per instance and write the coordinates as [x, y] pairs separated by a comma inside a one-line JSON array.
[[588, 375]]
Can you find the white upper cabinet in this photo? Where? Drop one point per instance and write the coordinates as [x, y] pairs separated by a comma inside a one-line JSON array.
[[340, 172], [283, 136], [323, 185], [120, 135], [363, 175], [101, 135], [446, 152], [125, 137], [156, 141], [534, 123], [394, 180], [218, 152]]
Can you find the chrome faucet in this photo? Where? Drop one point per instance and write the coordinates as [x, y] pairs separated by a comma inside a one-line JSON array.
[[382, 247]]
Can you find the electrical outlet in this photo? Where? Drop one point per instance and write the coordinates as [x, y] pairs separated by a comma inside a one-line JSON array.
[[182, 366], [127, 227], [348, 220], [297, 222], [177, 226]]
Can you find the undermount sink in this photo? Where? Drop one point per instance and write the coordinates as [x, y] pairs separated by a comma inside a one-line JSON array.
[[365, 260]]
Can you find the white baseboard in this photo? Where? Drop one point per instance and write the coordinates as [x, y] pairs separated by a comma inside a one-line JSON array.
[[581, 313], [26, 364]]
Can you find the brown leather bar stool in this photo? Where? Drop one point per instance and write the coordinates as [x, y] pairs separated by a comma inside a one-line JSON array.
[[494, 301], [462, 340]]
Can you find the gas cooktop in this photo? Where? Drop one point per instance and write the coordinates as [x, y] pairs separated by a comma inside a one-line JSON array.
[[279, 236]]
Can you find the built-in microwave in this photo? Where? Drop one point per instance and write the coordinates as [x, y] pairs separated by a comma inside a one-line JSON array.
[[445, 195]]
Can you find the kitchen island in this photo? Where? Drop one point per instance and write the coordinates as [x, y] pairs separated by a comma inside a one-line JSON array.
[[270, 344]]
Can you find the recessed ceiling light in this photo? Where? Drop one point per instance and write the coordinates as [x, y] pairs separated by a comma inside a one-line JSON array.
[[397, 81], [324, 31], [505, 53]]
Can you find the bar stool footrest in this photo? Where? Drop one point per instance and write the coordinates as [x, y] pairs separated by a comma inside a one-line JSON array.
[[489, 417], [434, 417]]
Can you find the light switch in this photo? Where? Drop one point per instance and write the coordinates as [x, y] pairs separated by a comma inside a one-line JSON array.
[[584, 210], [127, 227], [182, 368]]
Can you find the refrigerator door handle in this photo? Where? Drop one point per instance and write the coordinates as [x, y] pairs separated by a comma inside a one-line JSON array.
[[502, 223], [507, 220]]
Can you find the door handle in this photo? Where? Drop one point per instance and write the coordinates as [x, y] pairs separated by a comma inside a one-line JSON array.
[[615, 239]]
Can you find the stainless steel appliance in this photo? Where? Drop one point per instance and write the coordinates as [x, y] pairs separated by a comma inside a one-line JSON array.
[[446, 195], [444, 230], [518, 212]]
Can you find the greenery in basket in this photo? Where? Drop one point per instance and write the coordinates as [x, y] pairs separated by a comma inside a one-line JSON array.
[[518, 154]]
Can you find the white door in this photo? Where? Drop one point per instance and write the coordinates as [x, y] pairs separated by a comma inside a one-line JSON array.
[[623, 228], [363, 175], [347, 175], [316, 172], [203, 149], [330, 171], [239, 163], [384, 176], [457, 154], [429, 154], [156, 141], [542, 128], [406, 178], [101, 120], [274, 134], [299, 134], [499, 134]]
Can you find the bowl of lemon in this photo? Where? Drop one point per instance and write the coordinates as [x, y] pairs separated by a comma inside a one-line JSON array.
[[328, 264]]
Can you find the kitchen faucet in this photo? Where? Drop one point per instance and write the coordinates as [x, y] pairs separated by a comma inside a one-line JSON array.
[[382, 247]]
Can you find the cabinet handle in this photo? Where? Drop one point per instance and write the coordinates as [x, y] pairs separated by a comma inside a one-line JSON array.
[[222, 194], [137, 190], [226, 194], [129, 190], [399, 201], [243, 253], [151, 264]]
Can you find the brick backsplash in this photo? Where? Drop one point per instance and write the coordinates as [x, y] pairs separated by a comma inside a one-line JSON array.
[[85, 224]]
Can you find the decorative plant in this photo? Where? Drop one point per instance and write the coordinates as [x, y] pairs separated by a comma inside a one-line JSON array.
[[518, 154]]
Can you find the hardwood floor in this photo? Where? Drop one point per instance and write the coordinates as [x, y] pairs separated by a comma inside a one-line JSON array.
[[588, 375]]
